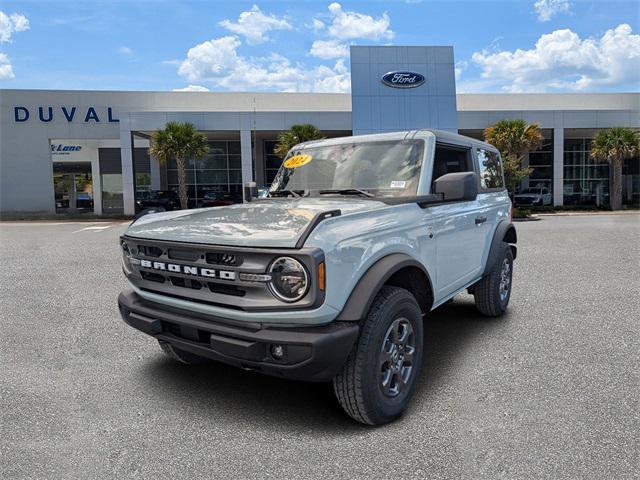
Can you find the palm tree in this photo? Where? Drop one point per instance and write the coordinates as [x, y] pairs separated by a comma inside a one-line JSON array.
[[614, 146], [515, 139], [179, 141], [295, 135]]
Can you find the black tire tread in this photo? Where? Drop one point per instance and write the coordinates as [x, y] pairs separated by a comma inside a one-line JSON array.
[[348, 383], [484, 292]]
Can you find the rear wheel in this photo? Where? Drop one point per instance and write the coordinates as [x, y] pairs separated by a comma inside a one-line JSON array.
[[493, 292], [182, 356], [379, 377]]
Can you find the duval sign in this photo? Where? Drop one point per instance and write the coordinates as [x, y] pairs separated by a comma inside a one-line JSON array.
[[47, 114], [403, 79]]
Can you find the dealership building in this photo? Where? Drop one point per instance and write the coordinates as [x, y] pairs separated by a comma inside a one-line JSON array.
[[68, 151]]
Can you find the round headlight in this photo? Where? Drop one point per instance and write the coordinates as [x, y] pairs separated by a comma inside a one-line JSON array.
[[289, 279]]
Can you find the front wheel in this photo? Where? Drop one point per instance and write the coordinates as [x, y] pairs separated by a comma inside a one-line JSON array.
[[493, 292], [378, 379]]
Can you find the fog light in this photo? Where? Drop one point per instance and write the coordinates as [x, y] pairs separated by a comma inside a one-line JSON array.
[[277, 351]]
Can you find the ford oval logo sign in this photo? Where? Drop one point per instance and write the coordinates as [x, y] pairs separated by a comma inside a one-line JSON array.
[[403, 79]]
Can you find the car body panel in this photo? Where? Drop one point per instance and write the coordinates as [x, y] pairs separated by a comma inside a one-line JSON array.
[[446, 238], [265, 223]]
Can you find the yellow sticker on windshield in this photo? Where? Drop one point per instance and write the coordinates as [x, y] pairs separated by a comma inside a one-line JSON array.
[[297, 161]]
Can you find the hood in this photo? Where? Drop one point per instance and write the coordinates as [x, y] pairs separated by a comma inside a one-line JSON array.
[[527, 195], [263, 223]]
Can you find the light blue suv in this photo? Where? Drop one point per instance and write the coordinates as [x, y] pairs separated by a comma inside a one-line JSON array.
[[328, 277]]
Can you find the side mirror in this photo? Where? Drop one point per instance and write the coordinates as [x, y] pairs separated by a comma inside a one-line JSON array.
[[250, 191], [461, 186]]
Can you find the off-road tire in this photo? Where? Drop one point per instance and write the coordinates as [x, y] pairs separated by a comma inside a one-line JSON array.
[[358, 387], [182, 356], [487, 292]]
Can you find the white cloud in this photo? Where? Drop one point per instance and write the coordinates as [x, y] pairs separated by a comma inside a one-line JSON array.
[[192, 88], [332, 80], [562, 60], [460, 67], [254, 25], [547, 9], [317, 25], [210, 59], [351, 25], [10, 24], [6, 70], [218, 61], [328, 49], [125, 51]]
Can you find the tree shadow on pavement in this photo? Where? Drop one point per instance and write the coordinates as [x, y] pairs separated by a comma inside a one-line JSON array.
[[229, 394]]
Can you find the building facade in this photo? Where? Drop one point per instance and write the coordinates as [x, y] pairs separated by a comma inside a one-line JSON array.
[[68, 151]]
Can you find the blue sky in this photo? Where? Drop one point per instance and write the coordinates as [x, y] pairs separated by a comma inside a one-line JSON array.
[[500, 46]]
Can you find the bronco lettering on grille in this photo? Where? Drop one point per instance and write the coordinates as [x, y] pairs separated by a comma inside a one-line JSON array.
[[188, 270]]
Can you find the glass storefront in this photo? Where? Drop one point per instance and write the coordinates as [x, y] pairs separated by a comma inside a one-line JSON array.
[[541, 161], [220, 170], [73, 187], [586, 181]]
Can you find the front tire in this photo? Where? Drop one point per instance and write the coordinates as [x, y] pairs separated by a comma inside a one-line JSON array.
[[379, 377], [493, 292], [182, 356]]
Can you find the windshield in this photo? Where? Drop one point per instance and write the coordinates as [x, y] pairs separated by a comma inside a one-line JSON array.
[[388, 169], [531, 190]]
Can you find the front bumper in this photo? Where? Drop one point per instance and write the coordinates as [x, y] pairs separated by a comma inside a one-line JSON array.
[[311, 353]]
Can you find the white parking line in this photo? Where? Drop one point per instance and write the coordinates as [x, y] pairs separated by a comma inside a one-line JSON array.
[[94, 228]]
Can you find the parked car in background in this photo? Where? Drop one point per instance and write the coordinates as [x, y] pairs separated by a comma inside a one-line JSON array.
[[217, 198], [84, 200], [534, 196], [167, 199]]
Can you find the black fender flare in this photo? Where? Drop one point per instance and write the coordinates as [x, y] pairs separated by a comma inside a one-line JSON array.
[[505, 232], [365, 291]]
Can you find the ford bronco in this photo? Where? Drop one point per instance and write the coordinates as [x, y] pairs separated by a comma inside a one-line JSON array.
[[329, 277]]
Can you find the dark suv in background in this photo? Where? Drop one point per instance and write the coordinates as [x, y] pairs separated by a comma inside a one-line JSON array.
[[167, 199]]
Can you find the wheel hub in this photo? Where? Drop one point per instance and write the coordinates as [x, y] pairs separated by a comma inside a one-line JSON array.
[[396, 357], [505, 279]]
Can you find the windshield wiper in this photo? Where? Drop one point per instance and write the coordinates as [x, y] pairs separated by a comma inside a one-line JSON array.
[[348, 191], [284, 193]]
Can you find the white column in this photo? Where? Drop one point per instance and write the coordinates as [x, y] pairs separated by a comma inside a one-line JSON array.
[[96, 181], [126, 157], [245, 156], [558, 166]]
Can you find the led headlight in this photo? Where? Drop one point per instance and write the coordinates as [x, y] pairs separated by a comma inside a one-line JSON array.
[[289, 279]]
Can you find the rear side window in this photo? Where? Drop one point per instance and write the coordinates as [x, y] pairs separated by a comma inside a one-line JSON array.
[[490, 169], [450, 160]]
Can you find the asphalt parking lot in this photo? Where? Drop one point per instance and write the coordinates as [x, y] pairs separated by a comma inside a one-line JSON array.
[[550, 391]]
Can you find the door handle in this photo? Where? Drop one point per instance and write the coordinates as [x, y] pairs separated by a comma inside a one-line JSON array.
[[480, 220]]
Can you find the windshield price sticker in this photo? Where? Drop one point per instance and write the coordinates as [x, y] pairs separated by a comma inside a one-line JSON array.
[[398, 184], [297, 161]]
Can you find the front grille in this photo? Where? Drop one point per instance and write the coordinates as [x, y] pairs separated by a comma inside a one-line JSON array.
[[226, 289], [186, 283], [152, 277], [210, 274], [218, 258], [150, 251], [183, 255]]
